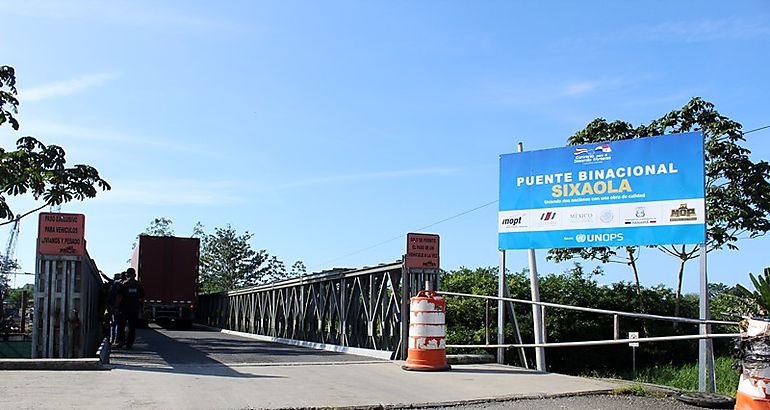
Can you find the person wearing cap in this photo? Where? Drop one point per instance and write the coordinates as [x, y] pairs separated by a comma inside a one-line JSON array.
[[130, 297]]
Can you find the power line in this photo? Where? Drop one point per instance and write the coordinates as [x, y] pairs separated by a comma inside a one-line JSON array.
[[756, 129], [404, 235]]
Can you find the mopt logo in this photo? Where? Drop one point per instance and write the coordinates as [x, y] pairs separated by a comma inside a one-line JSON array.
[[515, 221], [683, 213]]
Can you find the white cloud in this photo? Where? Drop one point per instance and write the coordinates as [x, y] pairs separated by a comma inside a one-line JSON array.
[[579, 88], [706, 30], [120, 12], [54, 130], [358, 177], [180, 192], [66, 87]]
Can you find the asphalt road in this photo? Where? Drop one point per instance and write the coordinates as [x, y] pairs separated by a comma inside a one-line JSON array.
[[157, 346], [599, 402]]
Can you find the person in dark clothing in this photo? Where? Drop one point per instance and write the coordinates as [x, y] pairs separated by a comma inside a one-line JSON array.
[[112, 303], [130, 297]]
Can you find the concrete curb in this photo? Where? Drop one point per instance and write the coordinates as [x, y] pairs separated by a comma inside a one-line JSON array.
[[377, 354], [470, 358], [457, 403], [656, 388], [52, 364]]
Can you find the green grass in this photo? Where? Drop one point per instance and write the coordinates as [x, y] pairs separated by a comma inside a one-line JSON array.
[[637, 389], [686, 377]]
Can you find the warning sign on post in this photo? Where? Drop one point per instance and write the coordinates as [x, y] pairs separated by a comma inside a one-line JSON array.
[[633, 336], [422, 251], [61, 234]]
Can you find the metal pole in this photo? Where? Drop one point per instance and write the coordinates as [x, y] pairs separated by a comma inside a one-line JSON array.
[[537, 317], [405, 295], [486, 321], [501, 309], [706, 376]]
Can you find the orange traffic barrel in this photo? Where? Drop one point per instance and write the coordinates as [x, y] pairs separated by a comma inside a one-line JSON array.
[[427, 333], [744, 401], [753, 392]]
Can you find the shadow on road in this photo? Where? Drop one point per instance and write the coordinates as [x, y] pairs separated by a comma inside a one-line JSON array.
[[153, 351]]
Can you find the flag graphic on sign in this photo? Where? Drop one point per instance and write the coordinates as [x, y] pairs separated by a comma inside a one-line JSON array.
[[580, 151], [603, 148]]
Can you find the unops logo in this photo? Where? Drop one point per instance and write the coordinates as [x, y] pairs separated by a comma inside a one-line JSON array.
[[599, 237]]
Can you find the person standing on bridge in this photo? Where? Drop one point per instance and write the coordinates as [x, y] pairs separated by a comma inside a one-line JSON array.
[[130, 298], [112, 303]]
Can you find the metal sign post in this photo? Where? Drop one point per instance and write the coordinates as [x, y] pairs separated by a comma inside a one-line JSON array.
[[706, 374], [501, 309], [537, 313], [634, 345]]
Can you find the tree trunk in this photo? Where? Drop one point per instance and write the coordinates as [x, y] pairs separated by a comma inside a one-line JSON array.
[[682, 260], [635, 271]]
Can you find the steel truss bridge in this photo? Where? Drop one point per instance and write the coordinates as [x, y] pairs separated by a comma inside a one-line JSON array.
[[361, 308]]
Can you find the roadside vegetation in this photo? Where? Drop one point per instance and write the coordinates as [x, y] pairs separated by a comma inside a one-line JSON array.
[[668, 363], [685, 377]]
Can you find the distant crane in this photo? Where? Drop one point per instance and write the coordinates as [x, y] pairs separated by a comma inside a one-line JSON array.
[[10, 249], [7, 264]]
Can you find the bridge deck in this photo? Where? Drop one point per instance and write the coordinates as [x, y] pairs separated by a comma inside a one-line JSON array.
[[159, 347], [210, 370]]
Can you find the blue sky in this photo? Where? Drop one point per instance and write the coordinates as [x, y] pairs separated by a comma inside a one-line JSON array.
[[328, 127]]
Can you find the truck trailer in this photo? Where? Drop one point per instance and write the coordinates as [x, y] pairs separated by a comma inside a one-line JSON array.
[[167, 267]]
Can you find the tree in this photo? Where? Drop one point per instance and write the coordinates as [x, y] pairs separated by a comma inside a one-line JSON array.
[[228, 262], [737, 189], [7, 265], [160, 227], [298, 269], [36, 168], [761, 294]]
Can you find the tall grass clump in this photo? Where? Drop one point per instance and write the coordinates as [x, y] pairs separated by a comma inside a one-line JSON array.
[[685, 377]]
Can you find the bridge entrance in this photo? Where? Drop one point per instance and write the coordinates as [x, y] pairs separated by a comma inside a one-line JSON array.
[[210, 352]]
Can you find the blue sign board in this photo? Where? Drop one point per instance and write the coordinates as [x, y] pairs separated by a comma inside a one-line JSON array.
[[644, 191]]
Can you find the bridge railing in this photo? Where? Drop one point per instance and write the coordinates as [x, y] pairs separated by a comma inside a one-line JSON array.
[[359, 308], [68, 316], [616, 325]]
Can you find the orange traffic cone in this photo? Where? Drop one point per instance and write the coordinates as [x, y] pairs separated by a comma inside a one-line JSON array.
[[427, 333]]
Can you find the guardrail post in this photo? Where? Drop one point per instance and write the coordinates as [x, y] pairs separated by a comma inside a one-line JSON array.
[[486, 321], [616, 327], [542, 317]]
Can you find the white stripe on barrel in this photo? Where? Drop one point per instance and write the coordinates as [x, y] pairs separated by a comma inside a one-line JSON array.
[[423, 343], [427, 323]]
